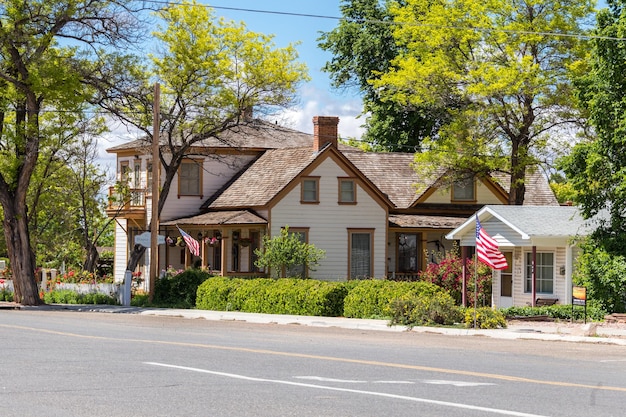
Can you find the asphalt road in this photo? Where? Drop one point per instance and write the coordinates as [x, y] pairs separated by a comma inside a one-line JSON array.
[[55, 363]]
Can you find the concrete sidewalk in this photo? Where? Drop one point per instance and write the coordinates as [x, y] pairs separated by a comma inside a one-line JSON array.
[[598, 333]]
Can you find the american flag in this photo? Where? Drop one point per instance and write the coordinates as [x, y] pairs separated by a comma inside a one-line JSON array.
[[487, 249], [192, 244]]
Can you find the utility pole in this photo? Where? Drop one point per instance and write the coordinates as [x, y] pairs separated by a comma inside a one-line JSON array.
[[156, 182]]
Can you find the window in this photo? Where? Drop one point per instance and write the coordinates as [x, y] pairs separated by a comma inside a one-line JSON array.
[[149, 176], [464, 190], [189, 178], [360, 258], [310, 190], [124, 172], [299, 271], [407, 253], [544, 272], [137, 174], [347, 191]]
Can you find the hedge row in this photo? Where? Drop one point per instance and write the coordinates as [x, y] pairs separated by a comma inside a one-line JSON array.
[[266, 295], [357, 299], [557, 311]]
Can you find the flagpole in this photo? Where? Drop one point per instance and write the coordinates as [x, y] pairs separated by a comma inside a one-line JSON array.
[[475, 286]]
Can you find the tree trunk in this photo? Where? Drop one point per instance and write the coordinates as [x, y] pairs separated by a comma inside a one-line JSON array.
[[21, 256], [134, 257], [91, 260], [517, 189]]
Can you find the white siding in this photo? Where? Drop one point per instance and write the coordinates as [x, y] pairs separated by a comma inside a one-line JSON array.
[[328, 222], [121, 250], [520, 297], [215, 173], [483, 195]]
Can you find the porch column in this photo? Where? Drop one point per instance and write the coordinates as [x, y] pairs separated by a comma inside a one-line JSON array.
[[223, 254], [464, 276], [534, 277]]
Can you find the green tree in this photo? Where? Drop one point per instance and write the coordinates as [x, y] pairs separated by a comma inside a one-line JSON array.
[[507, 62], [37, 76], [212, 72], [597, 168], [285, 251], [363, 47]]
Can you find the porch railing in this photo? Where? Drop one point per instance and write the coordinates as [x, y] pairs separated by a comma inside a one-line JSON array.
[[136, 198]]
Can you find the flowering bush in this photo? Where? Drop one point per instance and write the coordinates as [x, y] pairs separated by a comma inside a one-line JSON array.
[[448, 274], [83, 277]]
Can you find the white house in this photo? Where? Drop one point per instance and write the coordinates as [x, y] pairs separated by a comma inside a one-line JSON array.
[[371, 213], [540, 245]]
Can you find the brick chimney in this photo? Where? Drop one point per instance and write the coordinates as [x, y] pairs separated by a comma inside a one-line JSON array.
[[324, 131]]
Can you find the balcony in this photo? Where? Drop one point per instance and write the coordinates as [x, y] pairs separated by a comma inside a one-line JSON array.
[[129, 204]]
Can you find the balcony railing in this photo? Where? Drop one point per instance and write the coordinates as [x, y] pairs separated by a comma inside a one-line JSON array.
[[135, 198]]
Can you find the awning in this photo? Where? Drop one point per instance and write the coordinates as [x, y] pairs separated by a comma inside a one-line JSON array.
[[424, 221], [219, 218]]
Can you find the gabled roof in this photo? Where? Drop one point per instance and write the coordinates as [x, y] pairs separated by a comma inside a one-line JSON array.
[[538, 191], [273, 172], [391, 172], [265, 178], [529, 222]]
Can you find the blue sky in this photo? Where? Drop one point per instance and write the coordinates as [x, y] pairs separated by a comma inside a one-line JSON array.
[[317, 97]]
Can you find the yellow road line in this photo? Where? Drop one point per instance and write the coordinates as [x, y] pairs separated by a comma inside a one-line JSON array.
[[329, 358]]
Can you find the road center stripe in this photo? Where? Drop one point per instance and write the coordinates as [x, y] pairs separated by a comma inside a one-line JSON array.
[[353, 391]]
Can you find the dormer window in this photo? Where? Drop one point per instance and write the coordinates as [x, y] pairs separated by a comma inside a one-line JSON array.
[[464, 190]]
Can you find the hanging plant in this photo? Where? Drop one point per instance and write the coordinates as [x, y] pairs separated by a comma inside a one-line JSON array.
[[180, 242], [245, 241]]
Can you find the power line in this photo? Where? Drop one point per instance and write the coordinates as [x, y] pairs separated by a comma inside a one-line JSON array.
[[391, 23]]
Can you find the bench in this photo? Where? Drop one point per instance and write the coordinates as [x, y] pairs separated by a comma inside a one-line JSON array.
[[540, 302]]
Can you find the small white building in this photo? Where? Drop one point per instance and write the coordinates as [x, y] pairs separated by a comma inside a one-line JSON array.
[[540, 245]]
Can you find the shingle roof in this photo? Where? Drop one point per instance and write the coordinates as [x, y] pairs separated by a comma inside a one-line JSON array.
[[556, 221], [391, 172], [257, 134], [265, 178], [430, 222], [538, 191], [219, 217]]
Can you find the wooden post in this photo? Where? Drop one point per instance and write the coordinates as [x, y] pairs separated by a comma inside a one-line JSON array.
[[156, 168], [464, 276], [533, 272]]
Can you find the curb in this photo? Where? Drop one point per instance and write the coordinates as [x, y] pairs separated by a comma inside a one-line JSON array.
[[603, 336]]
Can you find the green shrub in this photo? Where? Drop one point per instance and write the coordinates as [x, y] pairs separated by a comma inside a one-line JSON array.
[[72, 297], [557, 311], [484, 318], [140, 300], [273, 296], [604, 276], [423, 310], [215, 294], [372, 298], [179, 290], [6, 295]]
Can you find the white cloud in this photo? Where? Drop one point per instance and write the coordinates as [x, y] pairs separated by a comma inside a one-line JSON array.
[[320, 103]]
